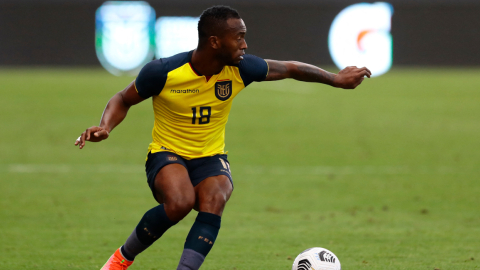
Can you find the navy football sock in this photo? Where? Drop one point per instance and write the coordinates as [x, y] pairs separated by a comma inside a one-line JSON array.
[[200, 241], [151, 227]]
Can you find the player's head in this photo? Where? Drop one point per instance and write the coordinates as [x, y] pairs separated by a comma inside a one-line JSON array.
[[221, 28]]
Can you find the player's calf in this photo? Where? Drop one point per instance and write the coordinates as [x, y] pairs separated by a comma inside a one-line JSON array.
[[151, 227], [200, 240], [212, 195]]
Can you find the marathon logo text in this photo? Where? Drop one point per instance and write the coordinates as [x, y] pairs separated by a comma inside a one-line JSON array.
[[184, 91]]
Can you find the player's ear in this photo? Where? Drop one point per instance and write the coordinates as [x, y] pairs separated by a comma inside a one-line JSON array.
[[214, 42]]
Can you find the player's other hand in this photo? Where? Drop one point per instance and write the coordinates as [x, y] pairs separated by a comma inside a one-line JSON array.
[[351, 77], [92, 134]]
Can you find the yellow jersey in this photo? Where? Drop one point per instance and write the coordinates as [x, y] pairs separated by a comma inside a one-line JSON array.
[[190, 110]]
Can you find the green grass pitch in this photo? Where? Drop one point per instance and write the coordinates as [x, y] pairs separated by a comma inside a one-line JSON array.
[[386, 176]]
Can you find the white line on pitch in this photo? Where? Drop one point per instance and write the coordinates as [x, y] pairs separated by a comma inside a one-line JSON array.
[[247, 169], [66, 168], [347, 170]]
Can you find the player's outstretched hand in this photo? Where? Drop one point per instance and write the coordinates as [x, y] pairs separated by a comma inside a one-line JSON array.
[[351, 77], [92, 134]]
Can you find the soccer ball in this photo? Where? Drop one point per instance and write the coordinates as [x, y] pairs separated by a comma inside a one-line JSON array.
[[316, 258]]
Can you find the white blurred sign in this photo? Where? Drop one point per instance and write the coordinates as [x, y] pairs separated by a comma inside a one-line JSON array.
[[125, 36], [175, 35], [360, 36]]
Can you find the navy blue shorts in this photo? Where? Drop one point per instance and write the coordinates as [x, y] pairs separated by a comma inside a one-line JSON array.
[[198, 169]]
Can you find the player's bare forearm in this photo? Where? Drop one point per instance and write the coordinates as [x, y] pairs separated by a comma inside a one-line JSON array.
[[114, 113], [348, 78], [278, 70]]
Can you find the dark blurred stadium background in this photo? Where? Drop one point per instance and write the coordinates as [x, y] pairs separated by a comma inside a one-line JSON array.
[[425, 32]]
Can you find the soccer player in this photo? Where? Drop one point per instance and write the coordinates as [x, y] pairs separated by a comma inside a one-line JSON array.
[[192, 94]]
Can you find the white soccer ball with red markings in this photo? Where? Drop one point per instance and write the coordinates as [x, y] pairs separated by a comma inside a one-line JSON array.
[[316, 258]]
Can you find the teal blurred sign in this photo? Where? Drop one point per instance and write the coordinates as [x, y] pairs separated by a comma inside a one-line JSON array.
[[125, 36]]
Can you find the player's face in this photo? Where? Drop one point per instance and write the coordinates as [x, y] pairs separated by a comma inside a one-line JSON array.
[[233, 42]]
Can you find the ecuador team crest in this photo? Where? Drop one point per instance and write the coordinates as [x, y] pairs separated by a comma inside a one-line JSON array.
[[223, 90]]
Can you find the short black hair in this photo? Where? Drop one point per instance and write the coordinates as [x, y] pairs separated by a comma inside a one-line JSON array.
[[212, 20]]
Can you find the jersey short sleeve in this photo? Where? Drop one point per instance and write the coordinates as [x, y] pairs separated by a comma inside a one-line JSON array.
[[151, 79], [252, 68], [153, 76]]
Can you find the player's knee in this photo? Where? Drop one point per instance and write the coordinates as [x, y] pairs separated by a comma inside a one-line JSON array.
[[179, 208], [214, 202]]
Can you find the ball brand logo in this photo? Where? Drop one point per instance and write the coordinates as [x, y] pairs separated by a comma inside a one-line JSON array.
[[124, 36], [360, 36], [223, 90], [326, 257], [304, 265]]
